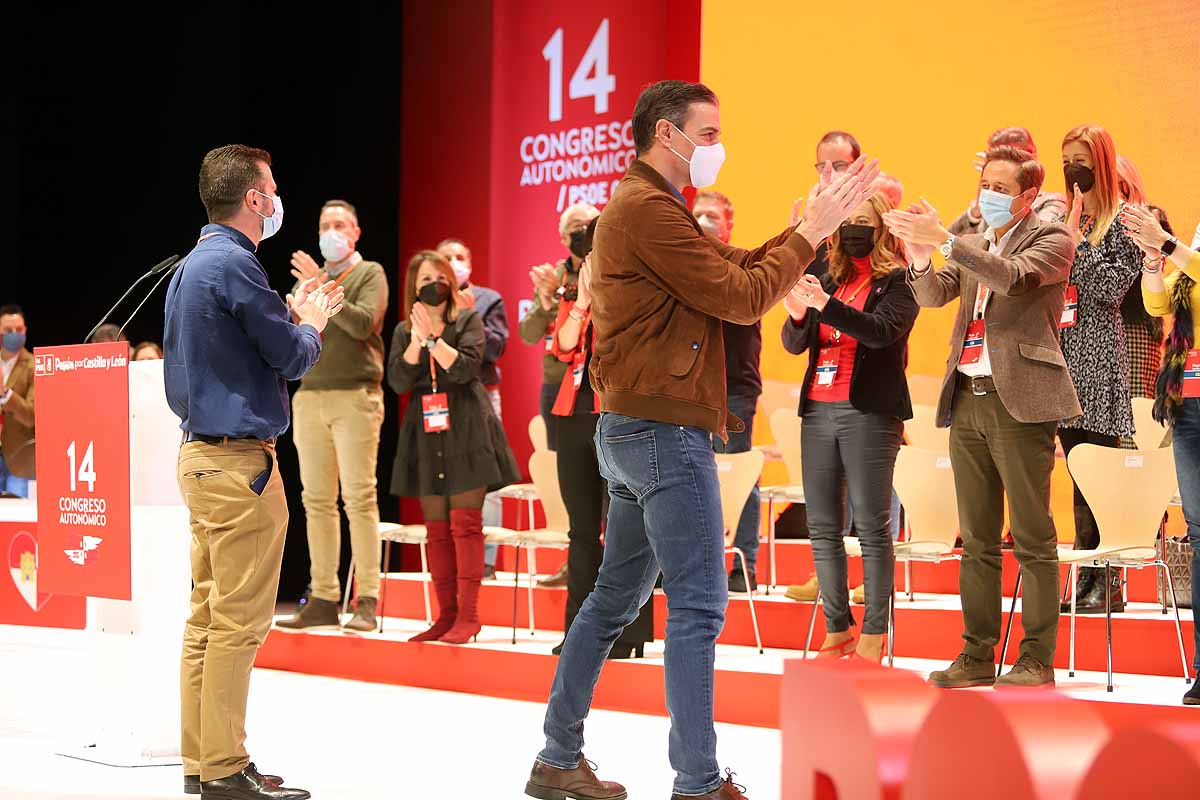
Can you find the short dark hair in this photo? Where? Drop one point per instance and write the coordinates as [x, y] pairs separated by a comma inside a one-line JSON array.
[[226, 174], [1030, 172], [450, 241], [842, 136], [108, 333], [340, 204], [669, 100], [1020, 138], [12, 308]]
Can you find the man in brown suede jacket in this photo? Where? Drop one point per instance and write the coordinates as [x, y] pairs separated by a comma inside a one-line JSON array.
[[661, 289]]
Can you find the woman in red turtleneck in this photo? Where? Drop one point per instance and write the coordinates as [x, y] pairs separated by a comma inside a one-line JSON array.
[[854, 323]]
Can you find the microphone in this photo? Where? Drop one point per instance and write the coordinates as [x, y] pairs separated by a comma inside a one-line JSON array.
[[160, 267]]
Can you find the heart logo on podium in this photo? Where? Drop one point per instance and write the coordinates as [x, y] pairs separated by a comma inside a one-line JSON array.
[[22, 566]]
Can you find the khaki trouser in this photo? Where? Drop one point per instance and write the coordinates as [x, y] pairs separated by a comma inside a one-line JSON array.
[[993, 454], [336, 432], [237, 550]]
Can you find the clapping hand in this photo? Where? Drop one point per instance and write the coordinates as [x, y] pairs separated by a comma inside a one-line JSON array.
[[919, 228], [583, 300], [1075, 216], [1143, 227], [421, 321], [810, 292], [303, 266], [834, 197], [545, 283], [316, 306]]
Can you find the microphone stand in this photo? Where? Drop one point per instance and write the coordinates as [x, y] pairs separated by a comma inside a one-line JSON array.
[[161, 266], [166, 273]]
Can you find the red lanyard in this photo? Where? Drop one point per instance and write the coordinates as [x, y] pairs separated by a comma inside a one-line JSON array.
[[840, 294], [432, 371]]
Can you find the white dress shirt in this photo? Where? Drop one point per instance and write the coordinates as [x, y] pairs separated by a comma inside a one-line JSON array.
[[983, 367]]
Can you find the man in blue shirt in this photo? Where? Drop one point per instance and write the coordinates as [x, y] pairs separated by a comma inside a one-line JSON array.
[[230, 346]]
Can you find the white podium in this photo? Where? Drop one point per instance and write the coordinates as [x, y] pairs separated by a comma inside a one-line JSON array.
[[135, 644]]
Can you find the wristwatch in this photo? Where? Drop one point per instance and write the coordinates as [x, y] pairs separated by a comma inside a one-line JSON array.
[[431, 342], [6, 396], [1169, 246], [947, 246]]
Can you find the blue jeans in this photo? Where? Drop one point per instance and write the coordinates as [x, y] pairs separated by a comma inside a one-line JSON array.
[[1186, 438], [11, 483], [664, 512], [746, 538]]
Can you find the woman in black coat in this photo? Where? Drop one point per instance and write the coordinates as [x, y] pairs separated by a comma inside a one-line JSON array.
[[854, 323], [452, 449]]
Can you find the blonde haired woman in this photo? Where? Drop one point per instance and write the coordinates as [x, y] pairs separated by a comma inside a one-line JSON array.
[[1107, 262], [452, 449], [854, 323]]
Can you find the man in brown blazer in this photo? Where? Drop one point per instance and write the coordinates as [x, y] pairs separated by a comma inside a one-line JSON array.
[[16, 404], [1006, 388]]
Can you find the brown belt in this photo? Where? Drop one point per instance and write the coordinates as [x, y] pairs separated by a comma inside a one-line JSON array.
[[977, 386]]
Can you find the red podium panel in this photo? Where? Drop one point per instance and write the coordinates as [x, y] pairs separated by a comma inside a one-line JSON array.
[[23, 599], [1004, 744], [83, 469], [848, 728], [1160, 760]]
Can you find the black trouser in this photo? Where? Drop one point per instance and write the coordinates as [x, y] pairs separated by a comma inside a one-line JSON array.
[[1087, 534], [584, 493]]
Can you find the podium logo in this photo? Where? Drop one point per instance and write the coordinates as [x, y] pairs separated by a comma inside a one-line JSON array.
[[88, 544], [43, 365]]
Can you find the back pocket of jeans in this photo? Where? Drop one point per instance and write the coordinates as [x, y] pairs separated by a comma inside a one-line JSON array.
[[633, 460]]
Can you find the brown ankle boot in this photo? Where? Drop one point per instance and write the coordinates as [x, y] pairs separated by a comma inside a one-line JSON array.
[[581, 783], [443, 569], [466, 526]]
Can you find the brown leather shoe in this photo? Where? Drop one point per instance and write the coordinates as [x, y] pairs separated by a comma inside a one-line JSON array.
[[1028, 673], [555, 581], [726, 791], [964, 672], [551, 783]]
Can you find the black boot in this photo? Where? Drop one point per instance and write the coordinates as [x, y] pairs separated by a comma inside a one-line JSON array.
[[1087, 577], [1093, 601], [248, 785]]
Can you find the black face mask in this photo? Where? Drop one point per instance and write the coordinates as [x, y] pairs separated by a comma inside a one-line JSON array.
[[580, 246], [434, 294], [857, 240], [1079, 174]]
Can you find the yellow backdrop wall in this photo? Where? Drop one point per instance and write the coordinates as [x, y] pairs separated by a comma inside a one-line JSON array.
[[922, 85]]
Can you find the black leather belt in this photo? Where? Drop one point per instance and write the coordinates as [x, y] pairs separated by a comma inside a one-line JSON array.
[[978, 386], [220, 440]]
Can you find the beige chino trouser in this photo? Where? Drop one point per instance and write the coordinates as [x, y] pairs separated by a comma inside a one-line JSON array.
[[336, 432], [236, 552]]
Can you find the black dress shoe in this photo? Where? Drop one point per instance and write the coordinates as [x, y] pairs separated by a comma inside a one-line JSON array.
[[191, 783], [1192, 698], [557, 651], [621, 651], [248, 785], [737, 582]]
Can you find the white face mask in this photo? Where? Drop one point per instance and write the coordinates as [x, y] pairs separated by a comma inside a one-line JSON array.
[[706, 161], [462, 270], [273, 223], [335, 246]]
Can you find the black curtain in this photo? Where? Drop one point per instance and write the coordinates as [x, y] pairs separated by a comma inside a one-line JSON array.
[[106, 117]]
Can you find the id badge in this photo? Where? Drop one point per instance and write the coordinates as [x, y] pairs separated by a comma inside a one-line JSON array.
[[1191, 374], [827, 366], [973, 343], [577, 375], [549, 343], [1070, 312], [436, 411]]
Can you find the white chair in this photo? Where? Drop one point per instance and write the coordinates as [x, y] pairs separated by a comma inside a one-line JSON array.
[[922, 430], [390, 532], [1128, 492], [925, 390], [737, 473], [778, 395], [537, 434], [785, 428], [1149, 435]]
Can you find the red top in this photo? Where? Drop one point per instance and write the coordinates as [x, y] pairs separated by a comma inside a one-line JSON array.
[[834, 343], [564, 404]]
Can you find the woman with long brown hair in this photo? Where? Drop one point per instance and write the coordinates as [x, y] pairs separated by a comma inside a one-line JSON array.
[[1093, 337], [854, 323], [452, 449]]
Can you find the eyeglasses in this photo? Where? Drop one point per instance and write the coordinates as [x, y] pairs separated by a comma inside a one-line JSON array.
[[838, 166]]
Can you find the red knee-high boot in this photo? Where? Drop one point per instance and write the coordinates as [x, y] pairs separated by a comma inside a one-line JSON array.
[[440, 550], [466, 525]]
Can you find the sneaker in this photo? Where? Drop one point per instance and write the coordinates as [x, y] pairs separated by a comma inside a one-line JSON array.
[[1027, 673], [737, 582], [364, 616], [316, 613], [965, 671], [1192, 698], [804, 592]]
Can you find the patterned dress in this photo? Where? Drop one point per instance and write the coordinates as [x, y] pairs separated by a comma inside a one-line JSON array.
[[1095, 348]]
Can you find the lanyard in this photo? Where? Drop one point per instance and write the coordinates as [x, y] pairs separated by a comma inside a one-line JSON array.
[[840, 294], [432, 372], [981, 298], [338, 280]]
